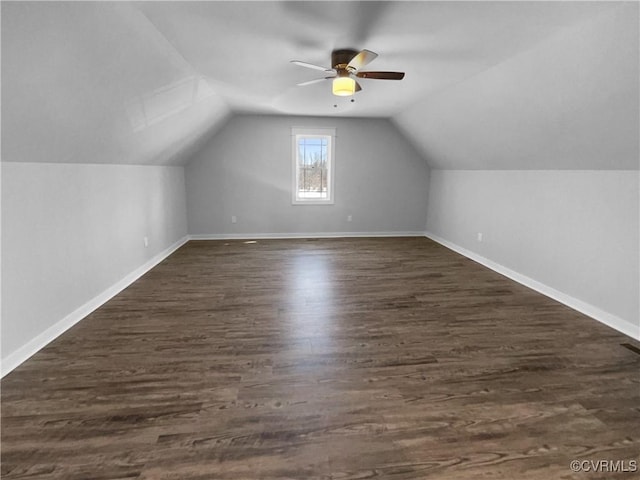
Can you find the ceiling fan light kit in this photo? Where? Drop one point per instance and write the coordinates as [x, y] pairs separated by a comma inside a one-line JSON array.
[[343, 86], [346, 64]]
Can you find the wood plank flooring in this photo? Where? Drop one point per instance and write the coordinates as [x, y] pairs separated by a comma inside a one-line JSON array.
[[324, 359]]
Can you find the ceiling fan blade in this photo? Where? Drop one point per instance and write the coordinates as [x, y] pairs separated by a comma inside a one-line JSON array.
[[381, 75], [311, 65], [358, 87], [362, 59], [311, 82]]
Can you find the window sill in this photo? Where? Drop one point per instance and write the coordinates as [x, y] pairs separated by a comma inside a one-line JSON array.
[[312, 202]]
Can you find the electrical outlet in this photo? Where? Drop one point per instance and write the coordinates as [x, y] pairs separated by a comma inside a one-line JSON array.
[[349, 218], [479, 236], [234, 219], [146, 241]]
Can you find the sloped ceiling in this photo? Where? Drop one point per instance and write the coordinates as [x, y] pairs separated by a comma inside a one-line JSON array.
[[95, 82], [568, 102], [488, 84]]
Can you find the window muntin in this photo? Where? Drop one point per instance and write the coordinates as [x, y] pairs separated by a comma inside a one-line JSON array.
[[313, 162]]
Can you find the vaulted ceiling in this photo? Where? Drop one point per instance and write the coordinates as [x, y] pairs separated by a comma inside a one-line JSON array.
[[517, 85]]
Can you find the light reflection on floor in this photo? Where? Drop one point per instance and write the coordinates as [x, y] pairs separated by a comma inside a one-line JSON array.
[[309, 313]]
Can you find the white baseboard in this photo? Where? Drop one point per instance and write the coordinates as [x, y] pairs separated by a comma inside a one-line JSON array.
[[607, 318], [23, 353], [266, 236]]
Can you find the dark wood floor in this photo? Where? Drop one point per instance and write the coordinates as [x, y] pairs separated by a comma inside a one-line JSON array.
[[324, 359]]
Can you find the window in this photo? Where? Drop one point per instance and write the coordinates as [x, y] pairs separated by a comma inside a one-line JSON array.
[[313, 165]]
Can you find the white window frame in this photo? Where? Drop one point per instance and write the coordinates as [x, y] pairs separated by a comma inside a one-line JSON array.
[[330, 134]]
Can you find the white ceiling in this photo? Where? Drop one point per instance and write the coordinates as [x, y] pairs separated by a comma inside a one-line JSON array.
[[146, 82]]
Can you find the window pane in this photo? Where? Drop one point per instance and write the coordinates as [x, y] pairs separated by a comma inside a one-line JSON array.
[[312, 168], [313, 165]]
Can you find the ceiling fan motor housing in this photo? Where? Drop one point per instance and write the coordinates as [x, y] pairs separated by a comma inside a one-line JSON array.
[[341, 58]]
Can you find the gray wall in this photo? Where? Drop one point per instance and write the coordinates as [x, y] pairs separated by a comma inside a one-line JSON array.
[[245, 170], [574, 231], [69, 232]]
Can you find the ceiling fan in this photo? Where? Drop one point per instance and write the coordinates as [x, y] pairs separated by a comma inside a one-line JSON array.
[[346, 64]]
